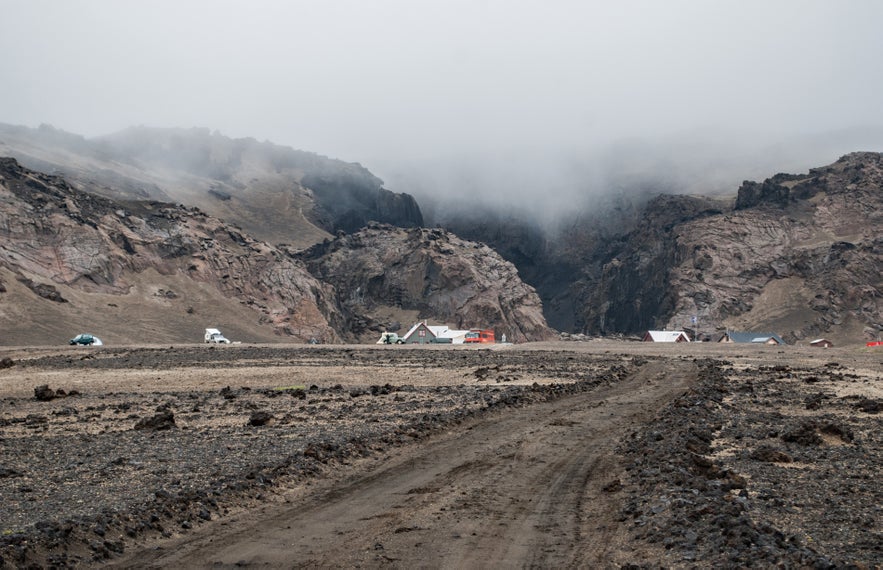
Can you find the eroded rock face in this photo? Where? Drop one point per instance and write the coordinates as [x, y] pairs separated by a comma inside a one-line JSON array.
[[54, 235], [448, 280], [633, 289], [800, 254]]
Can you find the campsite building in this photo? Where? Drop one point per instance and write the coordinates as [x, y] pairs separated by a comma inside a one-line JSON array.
[[751, 337], [821, 343], [422, 333], [666, 336]]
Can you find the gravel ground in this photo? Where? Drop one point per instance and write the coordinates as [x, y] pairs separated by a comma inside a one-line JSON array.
[[771, 459], [763, 466], [86, 461]]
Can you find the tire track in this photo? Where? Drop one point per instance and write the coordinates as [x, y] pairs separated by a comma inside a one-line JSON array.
[[524, 488]]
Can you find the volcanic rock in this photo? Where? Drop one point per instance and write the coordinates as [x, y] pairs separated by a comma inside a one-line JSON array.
[[771, 455], [804, 434], [260, 418], [444, 278], [868, 406], [54, 233], [162, 420], [44, 393], [799, 254], [8, 472]]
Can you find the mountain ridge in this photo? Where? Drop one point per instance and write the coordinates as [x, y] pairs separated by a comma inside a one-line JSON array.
[[771, 255], [276, 193], [147, 271], [799, 254]]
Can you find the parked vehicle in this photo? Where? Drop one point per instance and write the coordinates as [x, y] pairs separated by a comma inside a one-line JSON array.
[[214, 336], [483, 336], [86, 340], [390, 338]]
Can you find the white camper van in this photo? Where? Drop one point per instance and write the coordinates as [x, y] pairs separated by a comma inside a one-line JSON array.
[[214, 336]]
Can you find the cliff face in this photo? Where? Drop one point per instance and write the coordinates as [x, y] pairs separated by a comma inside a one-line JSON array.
[[632, 289], [796, 253], [275, 193], [73, 244], [799, 254], [562, 262], [804, 257], [430, 272]]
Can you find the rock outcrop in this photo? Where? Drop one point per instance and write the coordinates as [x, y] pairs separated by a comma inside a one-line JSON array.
[[56, 236], [799, 254], [633, 290], [441, 277], [796, 253]]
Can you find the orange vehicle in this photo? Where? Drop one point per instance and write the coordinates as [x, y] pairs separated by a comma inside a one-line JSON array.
[[484, 336]]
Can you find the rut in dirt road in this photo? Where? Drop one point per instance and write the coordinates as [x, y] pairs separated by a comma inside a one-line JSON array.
[[524, 488]]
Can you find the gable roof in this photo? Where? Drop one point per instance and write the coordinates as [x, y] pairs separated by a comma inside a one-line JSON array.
[[755, 337], [413, 329], [667, 336], [438, 331]]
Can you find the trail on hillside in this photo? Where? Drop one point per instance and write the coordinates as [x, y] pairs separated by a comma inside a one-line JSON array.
[[531, 487]]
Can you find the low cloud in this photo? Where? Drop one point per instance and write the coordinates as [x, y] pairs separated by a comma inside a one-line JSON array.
[[538, 106]]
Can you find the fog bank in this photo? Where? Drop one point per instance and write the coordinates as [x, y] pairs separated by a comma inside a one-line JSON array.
[[536, 104]]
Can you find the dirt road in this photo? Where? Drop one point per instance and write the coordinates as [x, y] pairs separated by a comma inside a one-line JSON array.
[[534, 487]]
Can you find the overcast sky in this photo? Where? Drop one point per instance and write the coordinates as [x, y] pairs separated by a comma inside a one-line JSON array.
[[395, 84]]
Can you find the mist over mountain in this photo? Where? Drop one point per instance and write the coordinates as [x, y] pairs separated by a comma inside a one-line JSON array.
[[633, 256], [276, 193], [553, 188], [505, 99]]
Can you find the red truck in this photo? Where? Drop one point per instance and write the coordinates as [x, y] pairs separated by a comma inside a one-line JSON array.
[[484, 336]]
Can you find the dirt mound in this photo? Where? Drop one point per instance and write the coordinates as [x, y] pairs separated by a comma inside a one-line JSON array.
[[163, 419]]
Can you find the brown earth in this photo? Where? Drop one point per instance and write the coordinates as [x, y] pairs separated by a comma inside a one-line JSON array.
[[594, 454]]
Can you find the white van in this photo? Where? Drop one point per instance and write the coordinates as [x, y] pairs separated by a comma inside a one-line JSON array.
[[214, 336]]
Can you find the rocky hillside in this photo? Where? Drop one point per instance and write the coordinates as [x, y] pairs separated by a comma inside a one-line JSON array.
[[798, 254], [558, 262], [275, 193], [142, 270], [430, 273], [146, 271]]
